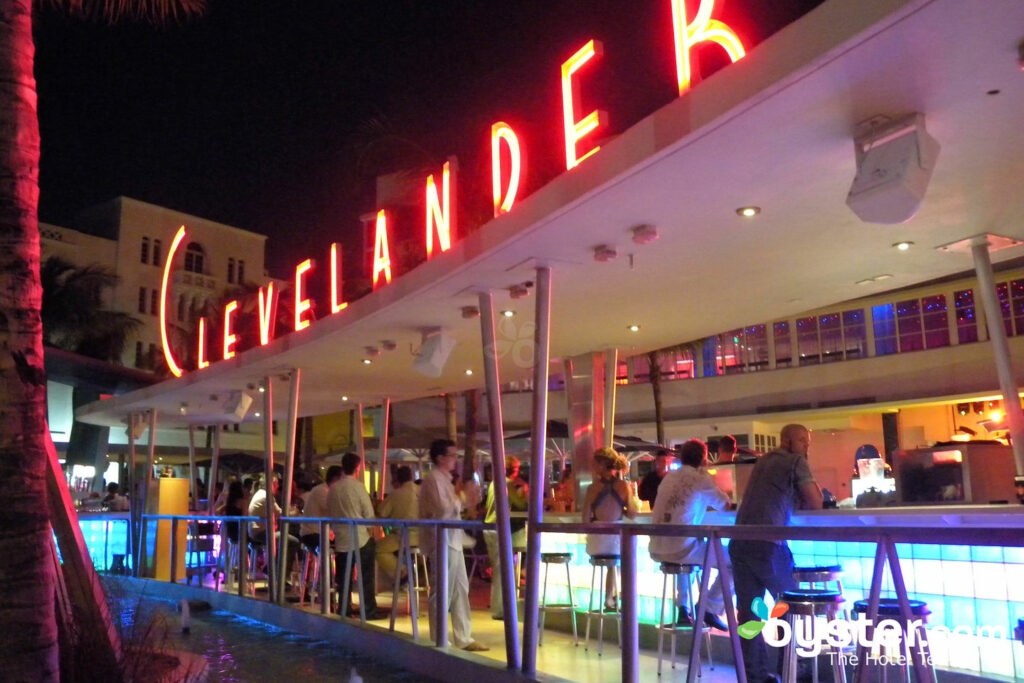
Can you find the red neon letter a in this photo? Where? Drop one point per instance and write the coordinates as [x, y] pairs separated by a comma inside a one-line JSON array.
[[702, 29], [381, 253]]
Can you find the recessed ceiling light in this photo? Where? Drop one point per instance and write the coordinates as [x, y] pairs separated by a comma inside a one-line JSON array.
[[748, 211], [508, 314], [903, 246], [262, 388], [367, 361], [344, 398], [634, 328], [865, 282], [256, 414], [469, 372], [884, 276]]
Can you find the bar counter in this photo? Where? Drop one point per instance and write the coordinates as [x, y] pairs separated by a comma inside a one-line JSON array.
[[975, 592]]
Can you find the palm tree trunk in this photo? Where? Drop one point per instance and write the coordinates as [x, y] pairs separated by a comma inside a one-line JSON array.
[[27, 573], [654, 360]]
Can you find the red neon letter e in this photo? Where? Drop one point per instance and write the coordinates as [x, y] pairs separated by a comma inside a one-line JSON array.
[[301, 303], [703, 29], [575, 130], [267, 313], [229, 337]]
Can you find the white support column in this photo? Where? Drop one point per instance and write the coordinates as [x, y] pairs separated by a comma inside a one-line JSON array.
[[611, 367], [1000, 349], [385, 415], [357, 437], [538, 469], [192, 487], [289, 476], [134, 497], [215, 470], [268, 483], [508, 584], [146, 482]]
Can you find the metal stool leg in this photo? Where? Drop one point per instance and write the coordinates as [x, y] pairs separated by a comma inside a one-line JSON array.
[[572, 606], [543, 603]]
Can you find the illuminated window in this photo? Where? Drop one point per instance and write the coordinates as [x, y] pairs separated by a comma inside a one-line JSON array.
[[855, 341], [966, 319], [144, 252], [935, 320], [1011, 301], [756, 346], [884, 319], [731, 352], [783, 344], [807, 340], [156, 252], [231, 271], [830, 329], [194, 258]]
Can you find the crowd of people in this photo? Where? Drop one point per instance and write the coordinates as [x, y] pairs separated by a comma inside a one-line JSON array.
[[679, 493]]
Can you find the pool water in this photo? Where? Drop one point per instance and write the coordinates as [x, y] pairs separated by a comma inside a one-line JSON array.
[[241, 649]]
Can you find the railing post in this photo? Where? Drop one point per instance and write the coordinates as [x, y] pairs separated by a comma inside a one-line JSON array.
[[922, 669], [243, 557], [630, 628], [174, 551], [414, 596], [698, 618], [289, 470], [440, 615], [359, 572], [325, 567], [725, 572]]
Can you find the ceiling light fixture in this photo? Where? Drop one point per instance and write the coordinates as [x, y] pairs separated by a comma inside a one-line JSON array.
[[508, 313], [883, 276], [634, 328], [644, 234], [256, 414], [903, 246], [344, 398], [262, 389], [367, 361], [865, 282], [469, 372], [748, 211], [604, 253]]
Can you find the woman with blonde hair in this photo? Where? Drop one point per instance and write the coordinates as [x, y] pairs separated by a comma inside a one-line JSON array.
[[608, 499]]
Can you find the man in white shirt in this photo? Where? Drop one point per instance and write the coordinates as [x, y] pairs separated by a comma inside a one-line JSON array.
[[683, 497], [348, 498], [403, 503], [439, 500], [316, 506], [258, 530]]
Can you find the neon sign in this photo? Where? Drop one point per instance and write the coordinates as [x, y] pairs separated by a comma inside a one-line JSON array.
[[441, 203]]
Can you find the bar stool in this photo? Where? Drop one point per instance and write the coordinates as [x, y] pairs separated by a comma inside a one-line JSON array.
[[563, 559], [517, 568], [819, 577], [419, 560], [601, 564], [811, 604], [310, 565], [669, 572], [889, 608]]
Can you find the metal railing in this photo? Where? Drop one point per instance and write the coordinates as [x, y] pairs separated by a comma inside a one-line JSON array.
[[884, 538]]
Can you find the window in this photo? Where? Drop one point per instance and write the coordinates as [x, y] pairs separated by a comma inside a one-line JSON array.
[[830, 326], [683, 363], [142, 299], [151, 364], [757, 346], [854, 338], [966, 320], [1011, 301], [730, 352], [783, 344], [935, 320], [144, 252], [154, 301], [138, 354], [884, 317], [908, 324], [156, 252], [241, 272], [231, 271], [194, 257], [807, 340]]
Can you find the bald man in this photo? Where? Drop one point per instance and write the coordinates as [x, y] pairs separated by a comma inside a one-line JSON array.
[[780, 482]]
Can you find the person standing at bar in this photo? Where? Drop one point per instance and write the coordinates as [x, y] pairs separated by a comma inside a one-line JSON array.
[[439, 500], [684, 496], [780, 482], [517, 500], [348, 498], [726, 450], [402, 503], [316, 506], [608, 499], [648, 489]]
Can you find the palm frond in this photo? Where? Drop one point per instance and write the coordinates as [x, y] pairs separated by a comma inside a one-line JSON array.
[[154, 12]]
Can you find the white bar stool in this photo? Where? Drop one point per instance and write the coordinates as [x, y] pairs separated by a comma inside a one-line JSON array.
[[601, 564], [669, 572], [563, 559]]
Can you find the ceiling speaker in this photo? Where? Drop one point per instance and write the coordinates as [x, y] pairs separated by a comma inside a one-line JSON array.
[[239, 405], [434, 352], [894, 166]]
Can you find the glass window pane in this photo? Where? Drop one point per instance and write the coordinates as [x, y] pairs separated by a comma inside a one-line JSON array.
[[854, 334], [966, 322], [831, 326], [757, 347], [884, 321], [935, 321], [807, 340], [783, 345], [908, 320], [1003, 292]]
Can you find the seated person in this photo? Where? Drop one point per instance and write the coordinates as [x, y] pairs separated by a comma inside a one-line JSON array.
[[402, 503], [683, 498]]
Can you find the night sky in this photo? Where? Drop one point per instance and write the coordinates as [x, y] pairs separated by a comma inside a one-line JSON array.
[[275, 116]]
